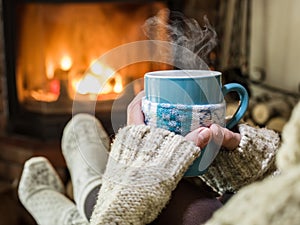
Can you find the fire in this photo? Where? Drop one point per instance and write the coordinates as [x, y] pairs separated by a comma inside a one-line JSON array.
[[118, 88], [66, 63], [97, 81], [50, 70], [87, 85], [53, 57]]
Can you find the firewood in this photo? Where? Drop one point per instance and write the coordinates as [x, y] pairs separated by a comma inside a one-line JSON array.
[[250, 122], [231, 108], [276, 123], [264, 111]]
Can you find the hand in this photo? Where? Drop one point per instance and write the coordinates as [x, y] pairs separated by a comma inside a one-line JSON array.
[[222, 136], [135, 115], [230, 139], [200, 136]]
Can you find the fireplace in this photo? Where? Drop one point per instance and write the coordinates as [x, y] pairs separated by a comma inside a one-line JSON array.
[[51, 44]]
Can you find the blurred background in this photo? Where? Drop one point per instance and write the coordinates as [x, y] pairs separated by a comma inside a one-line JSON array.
[[47, 46]]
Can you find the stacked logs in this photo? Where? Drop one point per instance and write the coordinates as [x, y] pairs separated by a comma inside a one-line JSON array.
[[273, 114], [266, 111], [269, 111]]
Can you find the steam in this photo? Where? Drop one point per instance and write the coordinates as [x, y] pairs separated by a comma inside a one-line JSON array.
[[191, 43]]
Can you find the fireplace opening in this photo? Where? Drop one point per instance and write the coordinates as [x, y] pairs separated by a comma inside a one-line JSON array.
[[49, 47]]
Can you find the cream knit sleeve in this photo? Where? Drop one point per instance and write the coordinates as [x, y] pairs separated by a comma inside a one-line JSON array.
[[250, 161], [275, 200], [145, 164]]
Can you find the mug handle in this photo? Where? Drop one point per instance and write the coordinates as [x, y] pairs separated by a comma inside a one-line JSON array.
[[243, 106]]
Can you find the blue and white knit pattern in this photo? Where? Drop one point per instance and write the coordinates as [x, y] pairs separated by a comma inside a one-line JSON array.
[[181, 119]]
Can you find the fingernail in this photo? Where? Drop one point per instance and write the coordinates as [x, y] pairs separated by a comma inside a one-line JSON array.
[[204, 135], [217, 130]]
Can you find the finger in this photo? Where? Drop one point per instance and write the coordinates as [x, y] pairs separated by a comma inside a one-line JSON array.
[[225, 137], [231, 139], [200, 136], [217, 134], [135, 115]]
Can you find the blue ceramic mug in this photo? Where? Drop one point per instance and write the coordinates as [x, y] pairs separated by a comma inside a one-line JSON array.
[[182, 100]]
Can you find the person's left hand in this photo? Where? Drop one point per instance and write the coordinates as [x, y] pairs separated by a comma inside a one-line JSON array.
[[200, 136], [220, 135]]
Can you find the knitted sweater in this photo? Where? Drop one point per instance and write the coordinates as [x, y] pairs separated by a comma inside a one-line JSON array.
[[275, 200], [146, 164], [252, 160], [143, 169]]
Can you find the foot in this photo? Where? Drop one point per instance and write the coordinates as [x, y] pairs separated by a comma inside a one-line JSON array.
[[85, 146], [38, 174], [40, 191]]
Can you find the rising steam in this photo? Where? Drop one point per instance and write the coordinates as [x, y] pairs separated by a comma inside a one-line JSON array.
[[185, 34]]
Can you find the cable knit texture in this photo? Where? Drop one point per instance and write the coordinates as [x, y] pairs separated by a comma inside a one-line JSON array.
[[253, 158], [275, 200], [144, 167]]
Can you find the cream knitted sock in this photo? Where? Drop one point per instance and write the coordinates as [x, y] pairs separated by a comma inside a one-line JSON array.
[[249, 162], [85, 147], [40, 191], [144, 167]]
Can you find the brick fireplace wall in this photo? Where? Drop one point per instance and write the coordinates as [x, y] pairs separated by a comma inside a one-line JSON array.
[[3, 98], [11, 211], [16, 149]]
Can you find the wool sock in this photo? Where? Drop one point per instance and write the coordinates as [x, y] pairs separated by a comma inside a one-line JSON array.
[[85, 147], [41, 192]]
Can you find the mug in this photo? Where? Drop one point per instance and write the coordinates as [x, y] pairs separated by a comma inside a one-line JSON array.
[[183, 100]]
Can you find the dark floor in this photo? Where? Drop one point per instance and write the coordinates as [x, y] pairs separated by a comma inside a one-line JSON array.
[[14, 151], [11, 210]]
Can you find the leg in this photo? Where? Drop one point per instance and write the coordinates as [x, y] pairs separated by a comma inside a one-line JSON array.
[[189, 205], [41, 192], [85, 146]]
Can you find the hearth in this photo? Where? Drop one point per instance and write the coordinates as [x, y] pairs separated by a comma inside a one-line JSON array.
[[49, 46]]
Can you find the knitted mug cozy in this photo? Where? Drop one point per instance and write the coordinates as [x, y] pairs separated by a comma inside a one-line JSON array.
[[180, 118]]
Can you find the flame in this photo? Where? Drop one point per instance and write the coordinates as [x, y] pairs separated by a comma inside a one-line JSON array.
[[88, 85], [50, 70], [66, 63], [95, 82], [96, 67], [101, 70], [118, 88]]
